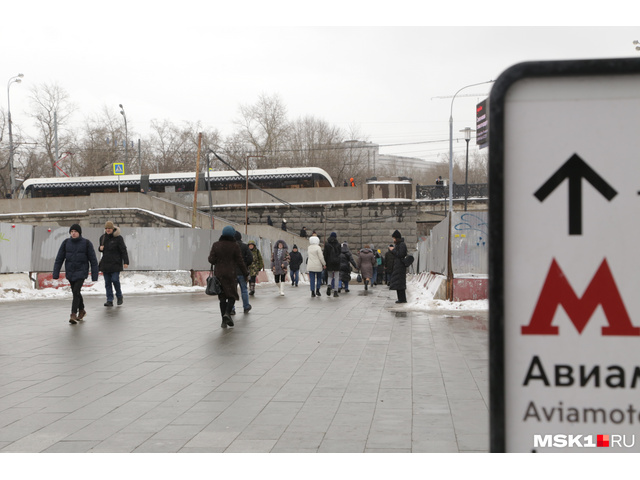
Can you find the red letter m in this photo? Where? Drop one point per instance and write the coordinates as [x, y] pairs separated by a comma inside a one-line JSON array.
[[601, 291]]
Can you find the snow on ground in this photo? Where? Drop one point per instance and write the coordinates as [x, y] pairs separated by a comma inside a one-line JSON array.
[[19, 289]]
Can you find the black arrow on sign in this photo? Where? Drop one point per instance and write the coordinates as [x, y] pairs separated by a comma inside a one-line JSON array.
[[575, 169]]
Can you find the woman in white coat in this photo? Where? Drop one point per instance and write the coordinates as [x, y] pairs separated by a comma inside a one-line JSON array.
[[315, 265]]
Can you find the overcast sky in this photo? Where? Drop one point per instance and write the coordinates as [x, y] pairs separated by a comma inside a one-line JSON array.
[[191, 61]]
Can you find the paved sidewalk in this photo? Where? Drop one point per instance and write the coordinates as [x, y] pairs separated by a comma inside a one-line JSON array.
[[296, 374]]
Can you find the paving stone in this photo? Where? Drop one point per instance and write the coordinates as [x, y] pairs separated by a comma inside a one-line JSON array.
[[296, 375]]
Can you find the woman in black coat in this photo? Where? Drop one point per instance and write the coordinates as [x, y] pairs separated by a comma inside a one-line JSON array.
[[399, 272], [114, 258], [77, 254], [225, 256]]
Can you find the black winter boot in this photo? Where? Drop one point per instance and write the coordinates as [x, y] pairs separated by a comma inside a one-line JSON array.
[[318, 293], [313, 294], [335, 294], [328, 291]]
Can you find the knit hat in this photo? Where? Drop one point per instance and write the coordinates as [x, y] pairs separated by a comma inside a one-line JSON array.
[[108, 225], [229, 231], [333, 234], [396, 234], [295, 246], [237, 235], [76, 227]]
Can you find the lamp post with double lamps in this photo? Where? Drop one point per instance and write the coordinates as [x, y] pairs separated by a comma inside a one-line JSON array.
[[467, 136], [126, 140], [12, 173]]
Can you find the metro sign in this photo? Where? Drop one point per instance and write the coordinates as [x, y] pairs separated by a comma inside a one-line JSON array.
[[563, 302]]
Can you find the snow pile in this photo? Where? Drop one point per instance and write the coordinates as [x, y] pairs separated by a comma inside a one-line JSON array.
[[18, 287]]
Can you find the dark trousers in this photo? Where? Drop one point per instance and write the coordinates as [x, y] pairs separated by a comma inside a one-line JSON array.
[[226, 304], [77, 303], [402, 295]]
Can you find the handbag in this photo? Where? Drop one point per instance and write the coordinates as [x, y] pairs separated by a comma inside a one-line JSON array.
[[213, 284], [359, 278]]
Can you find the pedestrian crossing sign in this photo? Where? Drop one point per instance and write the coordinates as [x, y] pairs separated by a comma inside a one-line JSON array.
[[118, 168]]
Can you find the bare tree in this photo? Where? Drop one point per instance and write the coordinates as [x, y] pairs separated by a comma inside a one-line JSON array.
[[51, 109], [264, 128]]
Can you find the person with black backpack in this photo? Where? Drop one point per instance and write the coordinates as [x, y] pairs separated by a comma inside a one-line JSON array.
[[332, 250], [399, 272], [247, 256]]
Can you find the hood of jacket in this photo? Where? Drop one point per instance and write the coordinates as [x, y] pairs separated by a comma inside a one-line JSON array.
[[366, 250], [314, 241], [284, 244], [345, 249], [116, 232]]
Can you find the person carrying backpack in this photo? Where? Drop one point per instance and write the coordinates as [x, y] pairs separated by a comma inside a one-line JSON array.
[[332, 251], [399, 272]]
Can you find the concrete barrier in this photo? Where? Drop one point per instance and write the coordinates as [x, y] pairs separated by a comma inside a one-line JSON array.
[[470, 287]]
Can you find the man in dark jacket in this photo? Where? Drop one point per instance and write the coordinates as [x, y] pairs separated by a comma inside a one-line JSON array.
[[295, 260], [114, 257], [388, 264], [303, 232], [226, 258], [399, 272], [77, 254], [332, 250], [247, 256]]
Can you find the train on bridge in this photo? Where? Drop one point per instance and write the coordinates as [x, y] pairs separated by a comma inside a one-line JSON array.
[[309, 177]]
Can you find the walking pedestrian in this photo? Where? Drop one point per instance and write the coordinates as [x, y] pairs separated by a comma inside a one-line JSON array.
[[283, 225], [389, 258], [226, 258], [303, 232], [242, 281], [77, 254], [279, 264], [269, 221], [378, 272], [295, 260], [399, 272], [374, 275], [331, 252], [315, 265], [366, 264], [346, 261], [256, 266], [114, 258]]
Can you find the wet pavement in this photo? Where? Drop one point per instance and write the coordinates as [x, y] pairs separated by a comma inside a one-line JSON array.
[[296, 374]]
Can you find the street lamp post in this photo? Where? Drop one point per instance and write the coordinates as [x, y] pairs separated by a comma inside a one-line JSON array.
[[451, 142], [467, 136], [126, 140], [449, 247], [12, 173]]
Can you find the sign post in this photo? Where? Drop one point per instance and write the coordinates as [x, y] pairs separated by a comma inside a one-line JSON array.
[[118, 169], [564, 267]]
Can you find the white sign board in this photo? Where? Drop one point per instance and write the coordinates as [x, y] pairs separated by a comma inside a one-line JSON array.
[[565, 278]]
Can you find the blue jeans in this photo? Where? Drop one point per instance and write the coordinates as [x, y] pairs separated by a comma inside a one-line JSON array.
[[315, 281], [375, 275], [295, 276], [112, 279], [244, 291]]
